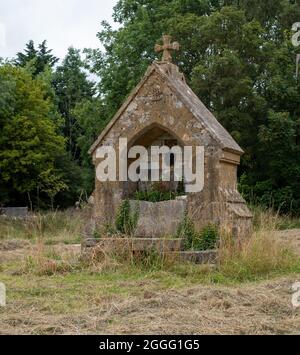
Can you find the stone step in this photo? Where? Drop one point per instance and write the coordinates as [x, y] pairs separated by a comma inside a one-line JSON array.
[[200, 257], [137, 244], [172, 247]]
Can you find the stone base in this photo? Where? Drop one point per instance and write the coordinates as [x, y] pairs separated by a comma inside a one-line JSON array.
[[158, 220], [172, 248], [14, 212], [199, 257], [233, 218], [136, 244]]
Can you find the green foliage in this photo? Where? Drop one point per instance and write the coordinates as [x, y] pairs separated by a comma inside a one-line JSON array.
[[45, 97], [29, 143], [52, 184], [148, 260], [37, 59], [155, 196], [74, 177], [278, 184], [71, 87], [236, 55], [186, 231], [90, 116], [158, 193], [207, 239], [126, 220], [238, 58], [74, 95], [266, 219]]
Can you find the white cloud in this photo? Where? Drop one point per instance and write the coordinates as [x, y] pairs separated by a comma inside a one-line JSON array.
[[2, 35], [62, 22]]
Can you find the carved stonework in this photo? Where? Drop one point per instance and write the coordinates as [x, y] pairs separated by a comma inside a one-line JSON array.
[[155, 95], [163, 110]]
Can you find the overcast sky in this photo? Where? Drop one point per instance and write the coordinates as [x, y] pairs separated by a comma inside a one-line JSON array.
[[62, 22]]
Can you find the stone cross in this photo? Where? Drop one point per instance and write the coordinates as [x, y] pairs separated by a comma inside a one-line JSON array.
[[166, 48]]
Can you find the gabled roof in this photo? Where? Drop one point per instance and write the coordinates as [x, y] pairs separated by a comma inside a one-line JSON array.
[[191, 101]]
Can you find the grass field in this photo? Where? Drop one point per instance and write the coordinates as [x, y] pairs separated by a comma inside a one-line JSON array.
[[52, 290]]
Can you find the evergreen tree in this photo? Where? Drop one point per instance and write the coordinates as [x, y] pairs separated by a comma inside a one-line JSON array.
[[29, 143], [30, 53], [71, 86], [39, 58]]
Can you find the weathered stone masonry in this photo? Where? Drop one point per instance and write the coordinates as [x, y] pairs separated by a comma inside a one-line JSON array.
[[164, 102]]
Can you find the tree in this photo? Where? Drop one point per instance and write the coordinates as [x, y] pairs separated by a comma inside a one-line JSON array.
[[237, 56], [277, 181], [30, 53], [45, 57], [91, 117], [71, 86], [29, 143], [39, 58]]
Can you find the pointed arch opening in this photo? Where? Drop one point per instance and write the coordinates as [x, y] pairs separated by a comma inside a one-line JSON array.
[[159, 136]]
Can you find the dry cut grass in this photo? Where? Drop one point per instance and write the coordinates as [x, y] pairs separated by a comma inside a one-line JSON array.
[[146, 304], [52, 289]]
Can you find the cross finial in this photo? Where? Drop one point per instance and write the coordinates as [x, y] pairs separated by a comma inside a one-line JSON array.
[[166, 48]]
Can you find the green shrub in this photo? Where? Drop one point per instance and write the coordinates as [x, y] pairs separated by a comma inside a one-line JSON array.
[[186, 231], [157, 193], [126, 220], [207, 239], [155, 196]]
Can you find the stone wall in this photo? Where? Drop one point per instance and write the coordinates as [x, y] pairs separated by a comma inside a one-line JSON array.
[[143, 113], [14, 212], [158, 220], [155, 104]]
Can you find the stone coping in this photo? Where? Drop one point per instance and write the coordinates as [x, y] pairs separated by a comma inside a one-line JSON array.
[[167, 246], [137, 244], [177, 199]]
